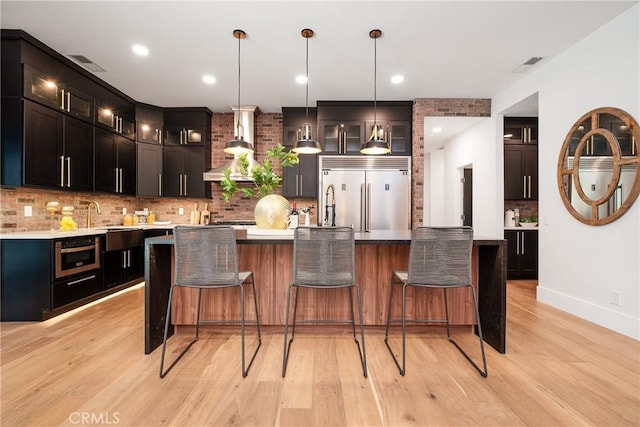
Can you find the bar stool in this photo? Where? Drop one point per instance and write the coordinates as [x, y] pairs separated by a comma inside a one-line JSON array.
[[439, 257], [207, 258], [323, 258]]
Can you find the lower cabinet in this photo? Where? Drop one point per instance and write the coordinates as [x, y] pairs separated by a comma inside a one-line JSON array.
[[123, 266], [522, 254]]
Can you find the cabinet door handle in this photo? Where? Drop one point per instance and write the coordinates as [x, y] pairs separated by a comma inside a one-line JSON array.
[[128, 257], [62, 99], [517, 243], [300, 192], [296, 184], [62, 171], [529, 186], [84, 279], [524, 186], [185, 184], [115, 172], [69, 172], [522, 240], [181, 182], [68, 109], [121, 180], [159, 184]]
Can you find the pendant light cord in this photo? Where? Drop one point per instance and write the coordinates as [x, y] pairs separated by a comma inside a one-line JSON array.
[[375, 77], [306, 99], [238, 123]]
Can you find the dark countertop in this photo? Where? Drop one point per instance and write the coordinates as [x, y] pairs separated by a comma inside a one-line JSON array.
[[379, 237]]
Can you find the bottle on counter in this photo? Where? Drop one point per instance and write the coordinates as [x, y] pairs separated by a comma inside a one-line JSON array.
[[294, 218], [517, 217]]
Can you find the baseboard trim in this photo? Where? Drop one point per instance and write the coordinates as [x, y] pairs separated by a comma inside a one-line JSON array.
[[614, 320]]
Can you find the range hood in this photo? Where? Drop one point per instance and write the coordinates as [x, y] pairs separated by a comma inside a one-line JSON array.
[[246, 116]]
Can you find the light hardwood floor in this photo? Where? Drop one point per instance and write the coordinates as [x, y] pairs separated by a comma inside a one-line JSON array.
[[89, 368]]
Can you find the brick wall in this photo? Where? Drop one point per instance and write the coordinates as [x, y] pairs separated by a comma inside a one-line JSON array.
[[435, 107]]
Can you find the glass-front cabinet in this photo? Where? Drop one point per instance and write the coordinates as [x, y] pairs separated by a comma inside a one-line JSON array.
[[54, 93]]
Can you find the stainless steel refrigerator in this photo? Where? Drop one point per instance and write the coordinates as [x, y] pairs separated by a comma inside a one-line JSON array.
[[371, 193]]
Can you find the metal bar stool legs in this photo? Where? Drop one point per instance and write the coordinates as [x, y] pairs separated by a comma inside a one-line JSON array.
[[287, 342], [166, 329], [242, 327], [401, 368], [482, 371]]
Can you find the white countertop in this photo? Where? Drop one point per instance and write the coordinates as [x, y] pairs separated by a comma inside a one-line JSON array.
[[57, 234], [518, 228]]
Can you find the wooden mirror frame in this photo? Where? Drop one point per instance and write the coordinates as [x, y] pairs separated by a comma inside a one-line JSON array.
[[565, 171]]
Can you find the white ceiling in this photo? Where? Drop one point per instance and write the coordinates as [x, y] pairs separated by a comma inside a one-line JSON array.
[[443, 48]]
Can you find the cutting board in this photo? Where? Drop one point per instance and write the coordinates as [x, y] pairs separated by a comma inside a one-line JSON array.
[[195, 216], [205, 214]]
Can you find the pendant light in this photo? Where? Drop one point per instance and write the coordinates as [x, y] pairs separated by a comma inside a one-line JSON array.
[[306, 144], [238, 145], [376, 143]]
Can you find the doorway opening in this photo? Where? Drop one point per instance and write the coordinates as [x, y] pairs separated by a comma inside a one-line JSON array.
[[467, 196]]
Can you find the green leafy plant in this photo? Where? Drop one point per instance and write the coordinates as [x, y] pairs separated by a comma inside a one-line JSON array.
[[265, 179], [532, 219]]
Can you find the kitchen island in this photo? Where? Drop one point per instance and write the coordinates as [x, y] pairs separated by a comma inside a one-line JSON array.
[[378, 254]]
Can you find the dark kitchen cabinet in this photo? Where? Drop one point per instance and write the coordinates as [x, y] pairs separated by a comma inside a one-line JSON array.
[[58, 149], [149, 123], [182, 171], [341, 136], [345, 125], [300, 180], [123, 266], [54, 92], [521, 172], [116, 118], [397, 133], [115, 163], [187, 126], [520, 130], [149, 170], [522, 254]]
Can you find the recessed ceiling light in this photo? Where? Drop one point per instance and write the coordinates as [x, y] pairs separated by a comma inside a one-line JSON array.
[[397, 79], [208, 79], [436, 130], [301, 79], [140, 50]]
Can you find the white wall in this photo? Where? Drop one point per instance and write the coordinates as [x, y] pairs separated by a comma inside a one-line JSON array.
[[579, 265]]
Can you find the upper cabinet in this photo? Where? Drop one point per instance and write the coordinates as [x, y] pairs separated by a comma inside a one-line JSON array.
[[116, 114], [300, 180], [187, 126], [345, 125], [149, 124], [520, 130], [187, 152], [54, 92], [115, 163]]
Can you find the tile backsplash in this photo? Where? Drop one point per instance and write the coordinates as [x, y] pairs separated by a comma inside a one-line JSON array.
[[527, 207]]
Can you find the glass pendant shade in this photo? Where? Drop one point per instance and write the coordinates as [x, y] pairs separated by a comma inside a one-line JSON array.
[[376, 143], [238, 145], [305, 143]]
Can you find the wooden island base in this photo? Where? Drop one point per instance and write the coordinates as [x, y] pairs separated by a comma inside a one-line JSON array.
[[378, 254]]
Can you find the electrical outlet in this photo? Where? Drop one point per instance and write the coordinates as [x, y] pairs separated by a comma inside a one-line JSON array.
[[28, 211], [616, 298], [124, 211], [180, 211]]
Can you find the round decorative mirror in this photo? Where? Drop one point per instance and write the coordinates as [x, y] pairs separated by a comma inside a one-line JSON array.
[[599, 166]]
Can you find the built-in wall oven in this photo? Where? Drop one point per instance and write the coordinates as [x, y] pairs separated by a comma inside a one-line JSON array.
[[77, 266]]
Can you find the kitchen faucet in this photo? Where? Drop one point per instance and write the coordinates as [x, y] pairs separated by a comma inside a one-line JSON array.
[[98, 211], [333, 206]]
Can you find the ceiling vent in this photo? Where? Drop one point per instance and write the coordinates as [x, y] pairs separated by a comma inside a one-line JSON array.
[[87, 63], [526, 66]]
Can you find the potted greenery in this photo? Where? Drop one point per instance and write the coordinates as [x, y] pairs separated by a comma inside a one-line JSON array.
[[272, 210], [265, 179], [531, 221]]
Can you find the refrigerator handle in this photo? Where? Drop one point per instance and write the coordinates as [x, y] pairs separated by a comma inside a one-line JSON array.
[[367, 208], [363, 208]]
